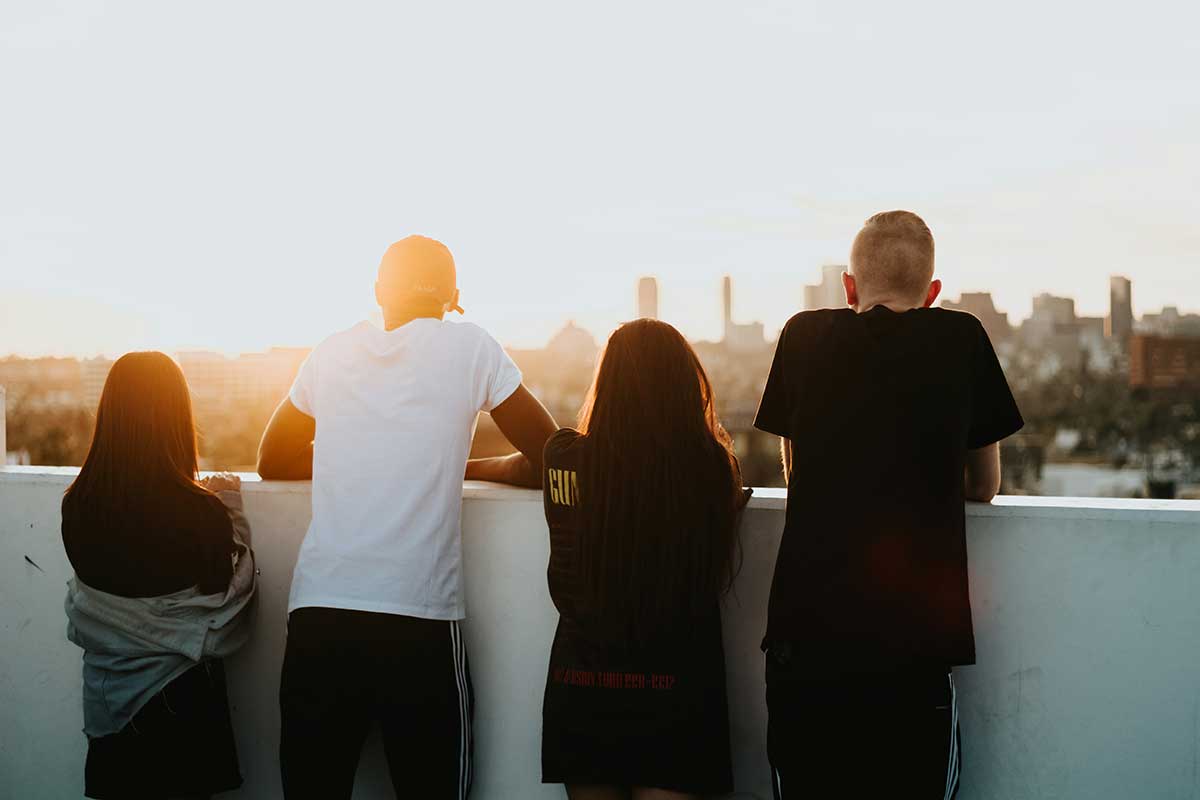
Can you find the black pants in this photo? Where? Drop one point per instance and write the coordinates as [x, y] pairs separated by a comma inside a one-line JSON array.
[[180, 744], [878, 735], [344, 671]]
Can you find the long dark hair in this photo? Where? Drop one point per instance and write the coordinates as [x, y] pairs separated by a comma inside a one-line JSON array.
[[659, 490], [145, 439]]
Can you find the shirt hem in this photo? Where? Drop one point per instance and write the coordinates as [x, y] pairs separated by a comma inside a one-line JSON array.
[[419, 612]]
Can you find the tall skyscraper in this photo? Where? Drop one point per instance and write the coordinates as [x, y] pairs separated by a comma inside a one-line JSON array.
[[727, 305], [829, 293], [647, 298], [742, 338], [1119, 324]]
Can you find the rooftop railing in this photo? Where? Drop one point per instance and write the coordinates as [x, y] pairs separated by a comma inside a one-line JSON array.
[[1087, 616]]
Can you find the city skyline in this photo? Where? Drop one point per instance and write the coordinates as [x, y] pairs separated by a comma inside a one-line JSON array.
[[243, 202], [648, 293]]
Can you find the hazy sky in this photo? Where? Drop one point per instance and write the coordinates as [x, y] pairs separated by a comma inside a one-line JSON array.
[[226, 175]]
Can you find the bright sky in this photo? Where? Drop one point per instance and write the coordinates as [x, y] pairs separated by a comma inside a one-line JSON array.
[[226, 175]]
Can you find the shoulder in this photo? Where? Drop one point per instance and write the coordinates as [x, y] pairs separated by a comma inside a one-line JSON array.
[[209, 516], [562, 444], [341, 340], [952, 316], [819, 317], [348, 337], [954, 322], [469, 332], [814, 321]]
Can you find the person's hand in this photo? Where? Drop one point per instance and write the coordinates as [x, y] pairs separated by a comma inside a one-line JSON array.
[[222, 482]]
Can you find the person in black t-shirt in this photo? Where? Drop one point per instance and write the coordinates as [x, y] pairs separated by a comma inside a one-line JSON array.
[[642, 507], [137, 524], [892, 410]]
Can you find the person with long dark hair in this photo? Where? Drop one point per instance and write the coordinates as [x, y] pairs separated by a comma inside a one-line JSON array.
[[163, 581], [642, 503]]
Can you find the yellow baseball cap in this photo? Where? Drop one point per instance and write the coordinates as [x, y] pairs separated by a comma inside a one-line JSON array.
[[421, 268]]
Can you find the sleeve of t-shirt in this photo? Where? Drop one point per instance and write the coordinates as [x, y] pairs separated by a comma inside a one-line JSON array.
[[778, 400], [304, 388], [502, 375], [994, 412]]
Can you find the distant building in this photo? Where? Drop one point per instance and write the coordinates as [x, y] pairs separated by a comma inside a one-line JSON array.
[[1052, 312], [573, 343], [559, 373], [980, 304], [1066, 342], [829, 293], [268, 376], [737, 336], [40, 383], [647, 298], [1098, 350], [1163, 362], [1169, 322], [1119, 325], [94, 373], [211, 377], [217, 381]]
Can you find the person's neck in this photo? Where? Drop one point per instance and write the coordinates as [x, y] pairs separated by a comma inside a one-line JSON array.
[[396, 317], [892, 303]]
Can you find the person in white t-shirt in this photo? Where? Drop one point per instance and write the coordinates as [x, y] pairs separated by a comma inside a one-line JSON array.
[[381, 420]]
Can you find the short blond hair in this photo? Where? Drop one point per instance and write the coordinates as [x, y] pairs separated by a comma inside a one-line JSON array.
[[893, 253]]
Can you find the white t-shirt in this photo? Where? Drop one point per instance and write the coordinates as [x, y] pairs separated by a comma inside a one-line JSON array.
[[395, 412]]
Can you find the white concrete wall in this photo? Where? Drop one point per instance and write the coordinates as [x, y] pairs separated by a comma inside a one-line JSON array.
[[1087, 615]]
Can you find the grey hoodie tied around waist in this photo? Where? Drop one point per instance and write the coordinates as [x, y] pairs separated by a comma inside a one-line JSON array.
[[134, 647]]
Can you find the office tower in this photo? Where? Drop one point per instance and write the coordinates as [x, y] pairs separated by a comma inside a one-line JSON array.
[[727, 306], [647, 298], [1120, 309], [829, 292], [980, 304], [741, 338], [1163, 362]]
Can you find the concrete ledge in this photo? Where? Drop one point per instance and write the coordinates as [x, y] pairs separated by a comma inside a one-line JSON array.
[[1087, 616]]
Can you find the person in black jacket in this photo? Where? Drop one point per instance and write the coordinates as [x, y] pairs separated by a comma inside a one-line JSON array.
[[642, 505]]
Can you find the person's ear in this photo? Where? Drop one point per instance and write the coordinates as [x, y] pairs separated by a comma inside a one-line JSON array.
[[935, 288], [851, 289]]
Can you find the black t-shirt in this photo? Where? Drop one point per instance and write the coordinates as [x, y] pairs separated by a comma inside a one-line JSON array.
[[692, 656], [881, 409], [169, 540], [650, 714]]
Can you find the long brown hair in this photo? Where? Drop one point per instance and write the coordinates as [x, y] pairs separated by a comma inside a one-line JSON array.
[[659, 489], [145, 439]]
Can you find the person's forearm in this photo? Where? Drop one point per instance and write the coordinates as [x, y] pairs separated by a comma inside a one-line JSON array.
[[513, 469]]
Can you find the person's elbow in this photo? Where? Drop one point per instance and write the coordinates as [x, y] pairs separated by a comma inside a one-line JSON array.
[[981, 493], [982, 488], [981, 479], [273, 465], [267, 467]]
